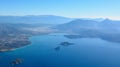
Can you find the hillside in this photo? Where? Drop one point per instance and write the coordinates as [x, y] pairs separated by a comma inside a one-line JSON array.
[[107, 29]]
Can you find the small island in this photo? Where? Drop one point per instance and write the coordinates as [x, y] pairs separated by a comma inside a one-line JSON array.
[[57, 48], [66, 43], [16, 61]]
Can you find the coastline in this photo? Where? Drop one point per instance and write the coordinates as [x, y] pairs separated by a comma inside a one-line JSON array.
[[28, 42], [6, 50], [13, 49]]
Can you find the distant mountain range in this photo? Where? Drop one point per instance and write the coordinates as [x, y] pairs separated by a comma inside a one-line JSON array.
[[40, 19], [31, 19], [83, 27], [17, 29], [106, 29], [77, 25]]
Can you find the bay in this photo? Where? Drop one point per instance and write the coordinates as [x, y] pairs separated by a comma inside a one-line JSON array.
[[86, 52]]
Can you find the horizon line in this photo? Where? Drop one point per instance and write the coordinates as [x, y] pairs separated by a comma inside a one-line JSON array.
[[65, 16]]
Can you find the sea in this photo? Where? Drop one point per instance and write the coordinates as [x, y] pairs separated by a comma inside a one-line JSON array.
[[85, 52]]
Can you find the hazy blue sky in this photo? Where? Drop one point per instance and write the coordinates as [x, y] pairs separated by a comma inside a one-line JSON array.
[[67, 8]]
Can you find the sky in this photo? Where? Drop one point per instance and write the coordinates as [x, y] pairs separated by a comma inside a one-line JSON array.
[[67, 8]]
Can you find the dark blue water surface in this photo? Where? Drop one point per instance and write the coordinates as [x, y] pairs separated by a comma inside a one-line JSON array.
[[86, 52]]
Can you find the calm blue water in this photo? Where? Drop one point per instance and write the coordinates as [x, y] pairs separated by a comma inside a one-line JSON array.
[[86, 52]]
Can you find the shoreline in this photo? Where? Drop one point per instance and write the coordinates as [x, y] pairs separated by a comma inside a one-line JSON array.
[[6, 50], [13, 49]]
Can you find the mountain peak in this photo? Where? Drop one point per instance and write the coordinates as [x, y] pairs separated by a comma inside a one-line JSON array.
[[106, 20]]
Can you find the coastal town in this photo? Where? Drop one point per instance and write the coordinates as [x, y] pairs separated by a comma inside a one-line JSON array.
[[8, 43]]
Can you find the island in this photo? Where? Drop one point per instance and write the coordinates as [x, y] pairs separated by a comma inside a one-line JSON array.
[[16, 61], [57, 48], [66, 43], [62, 44]]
